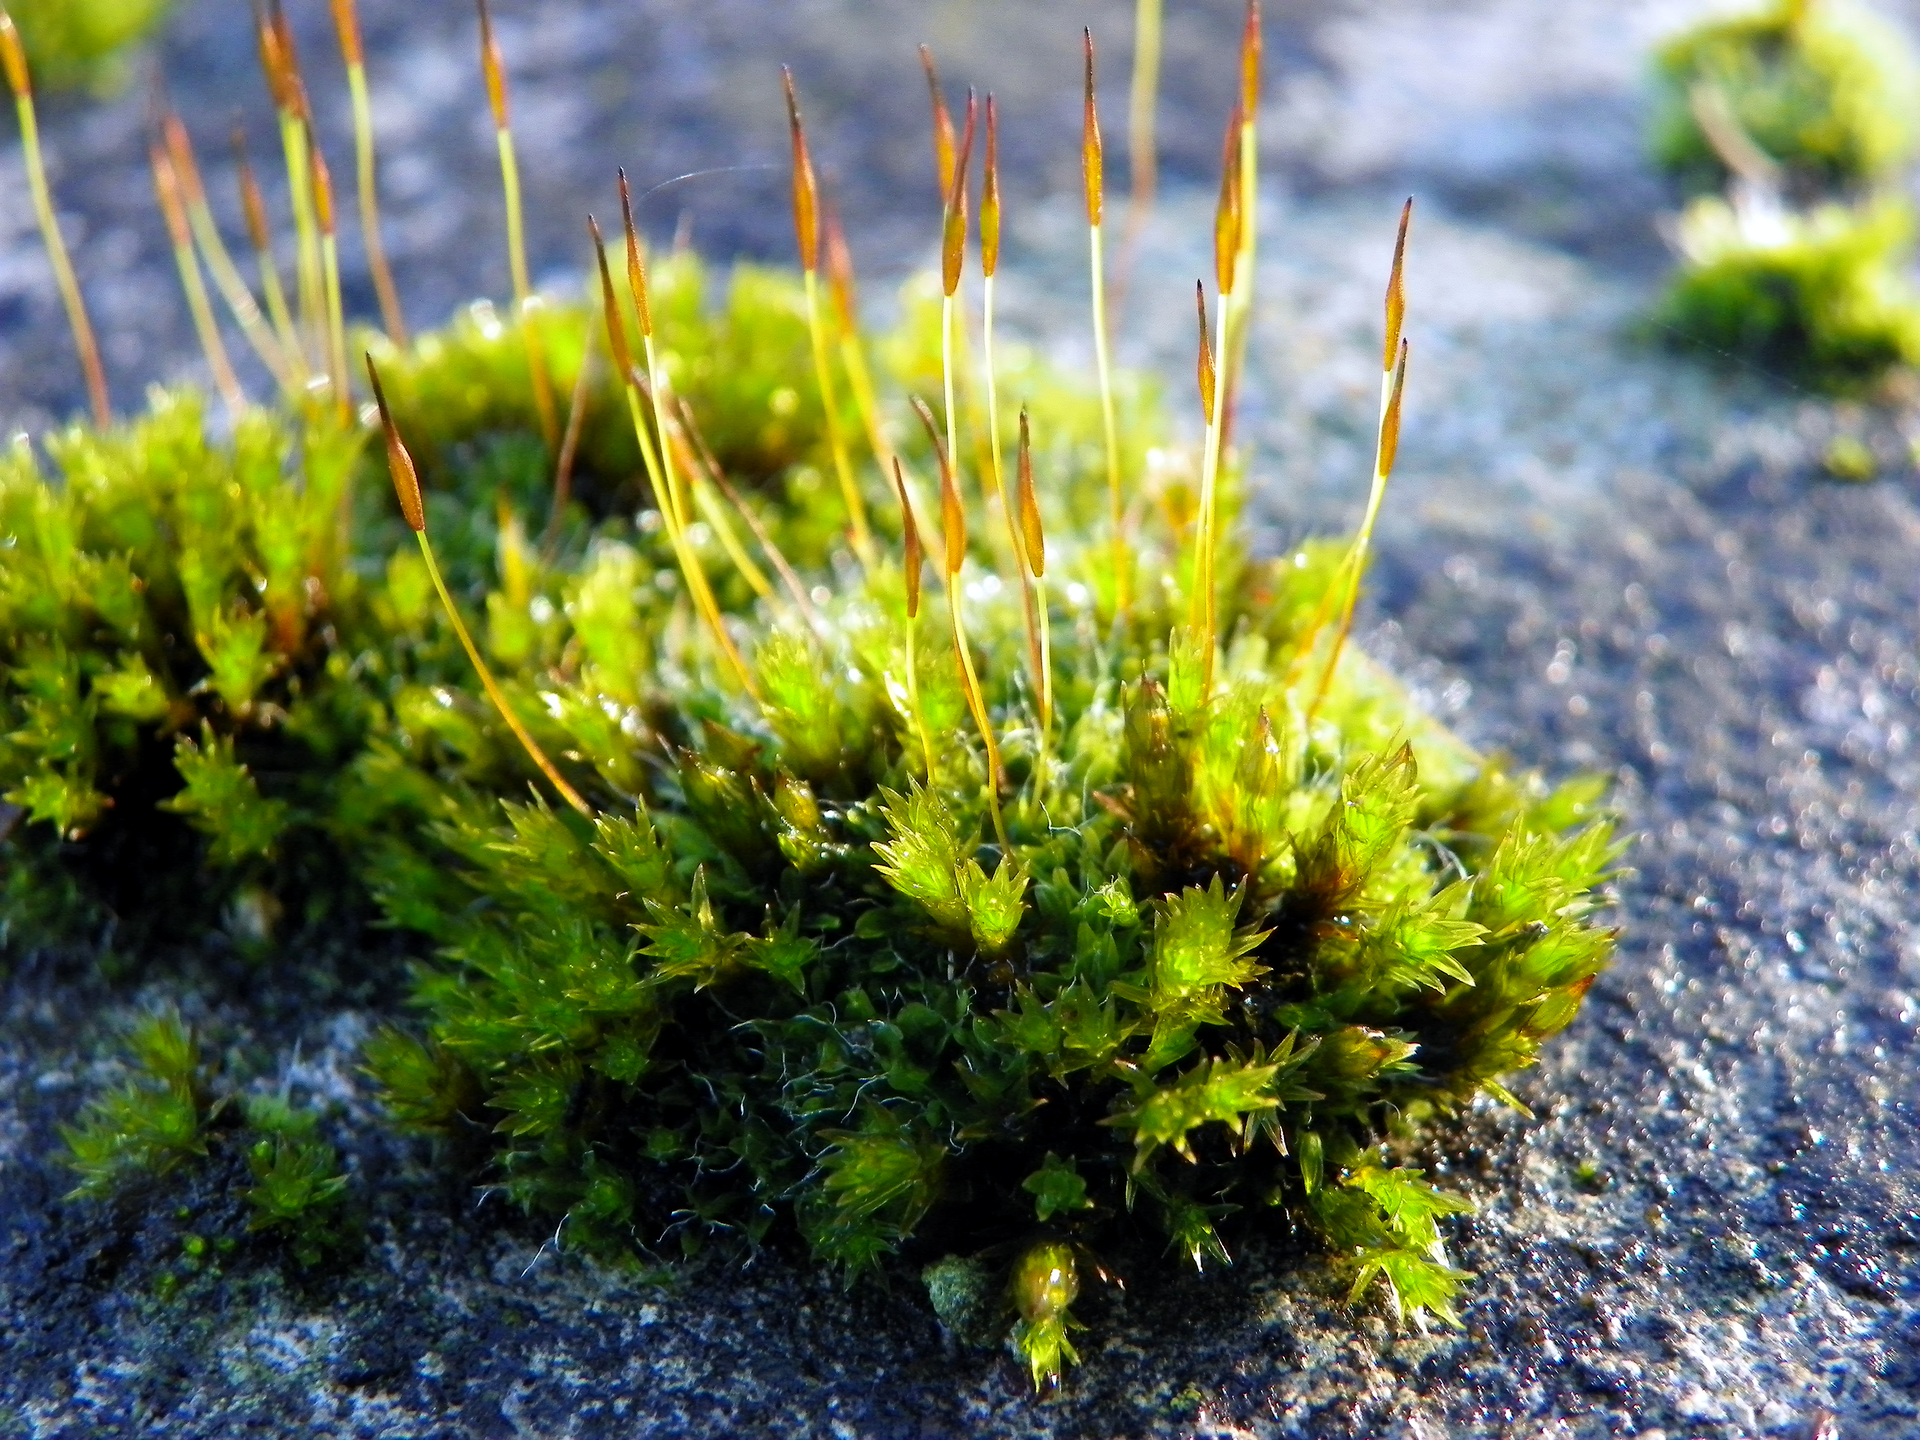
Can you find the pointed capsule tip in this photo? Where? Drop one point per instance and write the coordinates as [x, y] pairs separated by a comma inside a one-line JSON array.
[[953, 515], [346, 21], [1397, 289], [494, 67], [322, 192], [840, 272], [1250, 47], [406, 480], [806, 189], [1031, 531], [915, 557], [990, 194], [610, 305], [1206, 365], [953, 237], [294, 87], [1092, 165], [13, 56], [1229, 215], [166, 187], [636, 261]]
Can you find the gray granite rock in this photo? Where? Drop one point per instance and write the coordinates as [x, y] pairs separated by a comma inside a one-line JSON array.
[[1596, 555]]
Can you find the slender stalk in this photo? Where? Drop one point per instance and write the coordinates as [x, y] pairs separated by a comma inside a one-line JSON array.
[[406, 485], [330, 272], [253, 204], [714, 513], [658, 461], [166, 187], [953, 252], [1393, 379], [525, 303], [1033, 552], [710, 467], [290, 100], [1143, 154], [226, 275], [911, 564], [570, 444], [953, 523], [643, 308], [1234, 345], [806, 225], [13, 58], [853, 357], [346, 20], [946, 157], [1227, 223], [1203, 617], [989, 263], [944, 148], [1094, 175]]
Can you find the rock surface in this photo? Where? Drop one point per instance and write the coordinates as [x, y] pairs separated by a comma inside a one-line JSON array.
[[1597, 555]]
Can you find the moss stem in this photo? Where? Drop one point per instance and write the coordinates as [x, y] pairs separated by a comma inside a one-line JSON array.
[[166, 185], [492, 686], [260, 233], [233, 288], [526, 305], [14, 57], [391, 315]]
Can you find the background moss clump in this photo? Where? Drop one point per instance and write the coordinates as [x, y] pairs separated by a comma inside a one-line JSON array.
[[84, 43], [1826, 89], [1827, 302], [1805, 115]]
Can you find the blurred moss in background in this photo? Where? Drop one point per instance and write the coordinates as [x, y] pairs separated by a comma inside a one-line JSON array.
[[1828, 91], [1791, 131], [85, 44]]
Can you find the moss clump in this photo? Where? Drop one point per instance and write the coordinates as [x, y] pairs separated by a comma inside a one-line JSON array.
[[174, 1110], [781, 977], [1806, 115], [1824, 299], [211, 670], [1824, 88], [1105, 904], [84, 43], [177, 619], [784, 980]]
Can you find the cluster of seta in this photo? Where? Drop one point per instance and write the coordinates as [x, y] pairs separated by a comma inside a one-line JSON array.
[[1098, 901]]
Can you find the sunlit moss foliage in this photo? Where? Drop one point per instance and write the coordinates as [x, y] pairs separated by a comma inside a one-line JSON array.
[[781, 984]]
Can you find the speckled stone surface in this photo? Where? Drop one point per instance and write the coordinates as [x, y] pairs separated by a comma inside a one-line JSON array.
[[1597, 555]]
